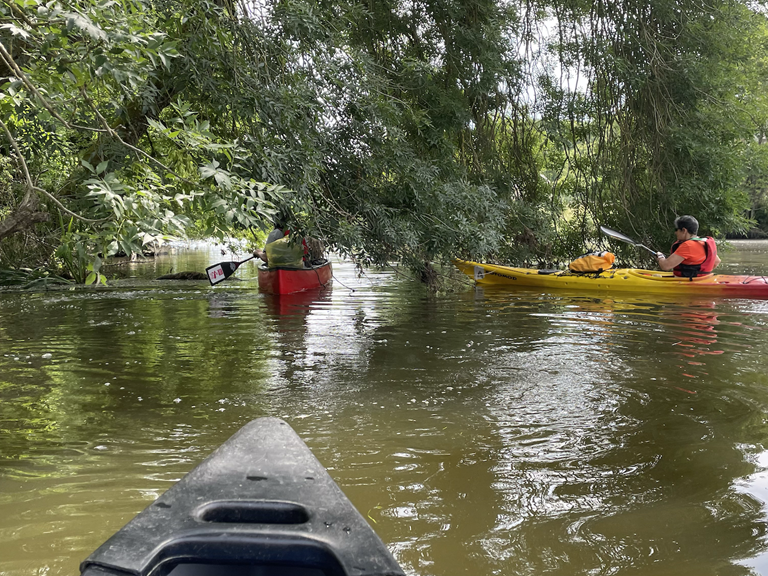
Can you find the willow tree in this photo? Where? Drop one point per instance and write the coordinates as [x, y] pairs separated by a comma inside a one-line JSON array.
[[668, 104]]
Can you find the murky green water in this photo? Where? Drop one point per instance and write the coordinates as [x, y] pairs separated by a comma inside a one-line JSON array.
[[484, 432]]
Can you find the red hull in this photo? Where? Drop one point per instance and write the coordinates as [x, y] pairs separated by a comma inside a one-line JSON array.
[[292, 280]]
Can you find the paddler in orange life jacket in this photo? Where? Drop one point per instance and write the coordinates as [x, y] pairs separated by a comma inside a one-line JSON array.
[[690, 256]]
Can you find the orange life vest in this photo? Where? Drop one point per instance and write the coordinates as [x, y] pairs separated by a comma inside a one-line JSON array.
[[705, 267]]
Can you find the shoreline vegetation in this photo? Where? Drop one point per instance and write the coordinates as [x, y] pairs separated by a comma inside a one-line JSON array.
[[414, 132]]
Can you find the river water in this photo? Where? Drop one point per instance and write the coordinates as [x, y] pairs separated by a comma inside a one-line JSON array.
[[479, 432]]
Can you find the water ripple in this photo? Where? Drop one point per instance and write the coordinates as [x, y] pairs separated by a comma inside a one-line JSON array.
[[479, 432]]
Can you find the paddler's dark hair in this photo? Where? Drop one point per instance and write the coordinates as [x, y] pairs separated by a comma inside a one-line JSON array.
[[688, 222], [280, 220]]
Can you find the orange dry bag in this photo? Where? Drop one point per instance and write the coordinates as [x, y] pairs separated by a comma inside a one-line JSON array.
[[593, 262]]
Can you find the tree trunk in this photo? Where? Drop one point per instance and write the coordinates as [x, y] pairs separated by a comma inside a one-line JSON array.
[[23, 217]]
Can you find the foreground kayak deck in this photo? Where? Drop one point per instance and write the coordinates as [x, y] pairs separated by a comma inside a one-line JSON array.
[[618, 280], [261, 504], [292, 280]]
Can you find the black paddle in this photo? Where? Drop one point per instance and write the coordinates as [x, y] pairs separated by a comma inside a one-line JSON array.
[[627, 239], [223, 270]]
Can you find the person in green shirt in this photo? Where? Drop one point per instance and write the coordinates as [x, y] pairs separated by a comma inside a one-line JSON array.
[[276, 234]]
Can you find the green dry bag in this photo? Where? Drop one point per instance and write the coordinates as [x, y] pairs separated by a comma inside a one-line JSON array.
[[283, 254]]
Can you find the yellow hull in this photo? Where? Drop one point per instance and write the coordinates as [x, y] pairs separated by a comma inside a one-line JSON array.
[[617, 280]]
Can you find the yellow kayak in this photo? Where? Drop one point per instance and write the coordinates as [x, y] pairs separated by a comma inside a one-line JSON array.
[[617, 280]]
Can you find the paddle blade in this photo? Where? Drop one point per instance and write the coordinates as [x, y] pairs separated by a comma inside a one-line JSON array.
[[617, 235], [221, 271]]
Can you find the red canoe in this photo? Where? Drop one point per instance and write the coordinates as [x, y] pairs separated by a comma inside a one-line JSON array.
[[291, 280]]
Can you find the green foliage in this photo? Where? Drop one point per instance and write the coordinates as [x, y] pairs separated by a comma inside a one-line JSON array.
[[413, 131], [75, 254], [96, 78], [28, 278], [662, 126], [756, 167], [94, 276]]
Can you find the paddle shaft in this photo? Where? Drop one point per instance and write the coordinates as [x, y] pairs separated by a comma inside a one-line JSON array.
[[623, 238], [654, 252]]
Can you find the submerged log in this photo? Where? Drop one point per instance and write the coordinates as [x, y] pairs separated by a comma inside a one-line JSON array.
[[188, 275]]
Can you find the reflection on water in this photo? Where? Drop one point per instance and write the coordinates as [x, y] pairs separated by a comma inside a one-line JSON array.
[[483, 432]]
